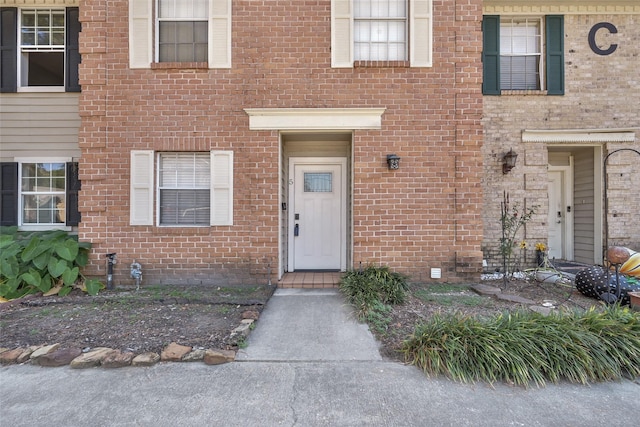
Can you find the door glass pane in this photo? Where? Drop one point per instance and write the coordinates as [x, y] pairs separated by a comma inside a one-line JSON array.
[[318, 182]]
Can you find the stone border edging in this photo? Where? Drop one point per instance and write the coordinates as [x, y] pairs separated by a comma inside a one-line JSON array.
[[55, 355]]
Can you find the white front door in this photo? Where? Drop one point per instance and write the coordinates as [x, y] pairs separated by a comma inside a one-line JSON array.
[[317, 218], [560, 215], [556, 215]]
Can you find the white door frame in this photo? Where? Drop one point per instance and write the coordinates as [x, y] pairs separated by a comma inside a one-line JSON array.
[[340, 161], [567, 200]]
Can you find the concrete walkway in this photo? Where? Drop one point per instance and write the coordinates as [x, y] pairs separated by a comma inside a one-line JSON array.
[[307, 364], [309, 325]]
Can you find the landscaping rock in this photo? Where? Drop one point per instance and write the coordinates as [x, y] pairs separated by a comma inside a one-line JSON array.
[[194, 356], [146, 359], [174, 352], [26, 354], [91, 359], [515, 298], [243, 329], [59, 357], [485, 289], [117, 359], [8, 357], [250, 314], [545, 311], [41, 351], [218, 357]]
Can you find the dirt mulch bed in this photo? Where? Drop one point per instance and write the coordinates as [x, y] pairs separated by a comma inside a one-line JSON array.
[[129, 320], [151, 318]]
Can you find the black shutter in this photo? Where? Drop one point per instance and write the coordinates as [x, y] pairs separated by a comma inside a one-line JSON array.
[[8, 193], [8, 49], [491, 55], [73, 187], [71, 83]]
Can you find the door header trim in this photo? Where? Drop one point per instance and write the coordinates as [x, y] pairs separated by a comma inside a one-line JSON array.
[[314, 118]]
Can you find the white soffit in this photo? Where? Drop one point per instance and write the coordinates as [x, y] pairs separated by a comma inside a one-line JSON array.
[[577, 136], [314, 118]]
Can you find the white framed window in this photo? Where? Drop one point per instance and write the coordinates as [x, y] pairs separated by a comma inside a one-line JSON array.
[[182, 30], [184, 189], [381, 30], [42, 193], [174, 31], [521, 60], [42, 48], [192, 189]]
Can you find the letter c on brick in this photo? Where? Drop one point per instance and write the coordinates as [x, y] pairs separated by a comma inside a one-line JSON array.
[[592, 38]]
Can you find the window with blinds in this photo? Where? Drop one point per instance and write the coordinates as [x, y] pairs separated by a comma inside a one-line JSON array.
[[184, 181], [520, 53], [183, 30]]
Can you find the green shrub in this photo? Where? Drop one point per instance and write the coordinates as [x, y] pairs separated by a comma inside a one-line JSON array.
[[527, 347], [32, 262], [373, 285]]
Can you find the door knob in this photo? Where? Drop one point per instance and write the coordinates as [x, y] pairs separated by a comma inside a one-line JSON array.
[[296, 230]]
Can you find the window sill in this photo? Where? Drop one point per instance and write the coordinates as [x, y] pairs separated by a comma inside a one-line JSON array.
[[528, 92], [41, 89], [46, 227], [179, 65], [381, 64]]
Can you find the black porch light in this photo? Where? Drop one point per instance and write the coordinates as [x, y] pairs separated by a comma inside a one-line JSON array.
[[509, 161], [393, 161]]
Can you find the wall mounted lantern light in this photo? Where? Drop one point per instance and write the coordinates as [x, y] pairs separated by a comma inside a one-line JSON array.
[[509, 161], [393, 161]]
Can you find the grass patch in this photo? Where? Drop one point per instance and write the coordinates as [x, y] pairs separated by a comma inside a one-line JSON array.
[[525, 347]]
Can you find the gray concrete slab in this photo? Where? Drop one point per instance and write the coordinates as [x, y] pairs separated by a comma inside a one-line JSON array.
[[362, 393], [309, 325]]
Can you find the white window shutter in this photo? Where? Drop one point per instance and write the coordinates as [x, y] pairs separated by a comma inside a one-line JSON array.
[[341, 34], [421, 28], [140, 33], [222, 188], [219, 34], [141, 196]]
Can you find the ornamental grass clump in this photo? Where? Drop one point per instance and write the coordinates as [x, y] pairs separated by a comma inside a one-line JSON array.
[[373, 287], [527, 347]]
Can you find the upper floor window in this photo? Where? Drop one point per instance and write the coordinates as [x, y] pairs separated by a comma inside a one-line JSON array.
[[523, 54], [42, 39], [381, 30], [182, 30], [39, 49], [520, 54], [167, 32]]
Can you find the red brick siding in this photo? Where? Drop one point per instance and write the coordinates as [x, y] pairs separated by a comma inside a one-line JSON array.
[[426, 214]]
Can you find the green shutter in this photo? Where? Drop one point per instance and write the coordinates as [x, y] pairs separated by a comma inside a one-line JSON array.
[[491, 55], [72, 50], [554, 25], [8, 49]]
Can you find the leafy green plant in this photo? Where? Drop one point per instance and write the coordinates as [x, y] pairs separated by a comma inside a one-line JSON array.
[[373, 285], [378, 317], [48, 261], [527, 347], [512, 219]]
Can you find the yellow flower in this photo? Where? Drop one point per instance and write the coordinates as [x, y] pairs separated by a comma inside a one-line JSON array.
[[541, 247], [523, 245]]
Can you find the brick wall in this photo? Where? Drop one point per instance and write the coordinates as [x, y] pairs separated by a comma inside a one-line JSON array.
[[598, 95], [427, 214]]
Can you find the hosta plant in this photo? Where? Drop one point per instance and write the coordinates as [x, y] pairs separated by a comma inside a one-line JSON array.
[[46, 261]]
